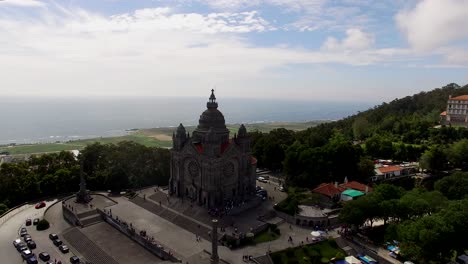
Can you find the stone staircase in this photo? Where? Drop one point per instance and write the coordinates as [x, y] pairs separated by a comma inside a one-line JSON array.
[[93, 253], [181, 220], [89, 218]]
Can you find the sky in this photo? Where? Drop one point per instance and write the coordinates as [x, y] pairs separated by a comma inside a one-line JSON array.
[[348, 50]]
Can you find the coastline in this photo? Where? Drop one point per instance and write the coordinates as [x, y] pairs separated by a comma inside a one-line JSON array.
[[150, 137]]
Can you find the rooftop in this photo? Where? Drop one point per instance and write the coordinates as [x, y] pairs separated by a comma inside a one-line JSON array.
[[461, 97], [389, 169], [328, 189], [356, 186], [353, 193]]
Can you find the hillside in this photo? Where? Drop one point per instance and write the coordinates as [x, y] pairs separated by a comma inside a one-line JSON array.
[[406, 119]]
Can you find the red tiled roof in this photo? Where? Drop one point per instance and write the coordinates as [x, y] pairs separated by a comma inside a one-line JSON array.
[[444, 113], [461, 98], [328, 189], [356, 186], [389, 169]]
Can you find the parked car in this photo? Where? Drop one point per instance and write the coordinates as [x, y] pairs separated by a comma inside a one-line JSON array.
[[50, 262], [282, 189], [16, 242], [58, 242], [74, 260], [36, 221], [26, 254], [64, 249], [31, 260], [28, 222], [40, 205], [53, 236], [22, 248], [23, 232], [44, 256], [27, 238], [31, 244], [261, 179]]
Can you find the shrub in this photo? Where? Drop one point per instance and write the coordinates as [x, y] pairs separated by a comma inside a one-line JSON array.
[[42, 225]]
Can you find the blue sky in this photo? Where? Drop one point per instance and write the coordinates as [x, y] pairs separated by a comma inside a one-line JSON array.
[[348, 50]]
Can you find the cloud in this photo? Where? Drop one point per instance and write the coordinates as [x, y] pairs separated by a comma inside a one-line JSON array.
[[434, 23], [156, 51], [355, 39], [22, 3]]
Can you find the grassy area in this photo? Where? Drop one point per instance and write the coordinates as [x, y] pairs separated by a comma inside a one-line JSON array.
[[321, 252], [296, 197], [267, 235], [155, 137], [80, 144]]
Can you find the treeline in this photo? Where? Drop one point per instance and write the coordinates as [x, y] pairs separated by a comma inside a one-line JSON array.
[[428, 224], [106, 167], [402, 130]]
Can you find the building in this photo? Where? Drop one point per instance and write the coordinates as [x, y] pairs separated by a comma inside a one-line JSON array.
[[210, 168], [391, 172], [457, 111], [332, 193]]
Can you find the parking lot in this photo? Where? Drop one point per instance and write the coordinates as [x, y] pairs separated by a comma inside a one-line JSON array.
[[9, 231], [273, 189]]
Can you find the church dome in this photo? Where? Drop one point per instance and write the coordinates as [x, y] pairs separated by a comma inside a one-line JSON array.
[[213, 119]]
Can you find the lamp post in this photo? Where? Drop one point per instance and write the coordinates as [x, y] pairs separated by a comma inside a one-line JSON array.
[[214, 242]]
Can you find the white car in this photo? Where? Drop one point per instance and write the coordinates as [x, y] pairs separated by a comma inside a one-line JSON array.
[[261, 179]]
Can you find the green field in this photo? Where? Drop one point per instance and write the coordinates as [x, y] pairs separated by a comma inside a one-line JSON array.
[[154, 137]]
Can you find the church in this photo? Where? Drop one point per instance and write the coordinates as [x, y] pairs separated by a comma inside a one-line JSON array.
[[210, 168]]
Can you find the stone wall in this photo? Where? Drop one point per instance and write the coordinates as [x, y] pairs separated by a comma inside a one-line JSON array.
[[70, 216]]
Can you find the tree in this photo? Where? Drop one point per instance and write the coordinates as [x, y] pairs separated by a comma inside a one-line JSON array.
[[454, 187], [458, 153], [360, 128], [365, 169], [3, 208], [434, 159]]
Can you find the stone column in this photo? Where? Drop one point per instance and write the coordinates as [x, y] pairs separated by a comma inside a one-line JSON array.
[[214, 242]]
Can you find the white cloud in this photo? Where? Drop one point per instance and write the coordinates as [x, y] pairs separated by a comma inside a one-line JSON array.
[[155, 52], [355, 39], [434, 23], [455, 56], [22, 3]]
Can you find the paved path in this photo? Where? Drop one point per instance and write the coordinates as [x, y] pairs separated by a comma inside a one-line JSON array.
[[86, 247], [118, 246], [172, 216]]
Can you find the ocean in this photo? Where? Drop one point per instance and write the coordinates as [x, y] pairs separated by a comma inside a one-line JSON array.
[[51, 119]]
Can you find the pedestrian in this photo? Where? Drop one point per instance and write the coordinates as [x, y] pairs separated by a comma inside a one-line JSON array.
[[307, 239]]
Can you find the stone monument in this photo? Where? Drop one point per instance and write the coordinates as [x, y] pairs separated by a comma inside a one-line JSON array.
[[83, 195]]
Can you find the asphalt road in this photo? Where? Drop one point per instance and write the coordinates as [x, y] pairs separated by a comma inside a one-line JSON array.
[[9, 231]]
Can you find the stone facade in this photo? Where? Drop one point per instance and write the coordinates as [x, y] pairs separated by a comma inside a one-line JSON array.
[[210, 168]]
